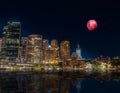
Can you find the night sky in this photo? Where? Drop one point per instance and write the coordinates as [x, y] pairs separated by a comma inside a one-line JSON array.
[[66, 20]]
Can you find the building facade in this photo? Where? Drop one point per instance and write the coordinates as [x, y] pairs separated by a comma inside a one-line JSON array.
[[49, 55], [65, 50], [55, 55], [74, 56], [35, 49], [11, 41], [45, 47]]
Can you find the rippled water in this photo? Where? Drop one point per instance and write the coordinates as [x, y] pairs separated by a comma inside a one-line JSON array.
[[59, 82]]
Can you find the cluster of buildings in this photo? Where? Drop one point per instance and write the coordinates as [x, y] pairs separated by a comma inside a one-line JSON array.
[[33, 48], [17, 51]]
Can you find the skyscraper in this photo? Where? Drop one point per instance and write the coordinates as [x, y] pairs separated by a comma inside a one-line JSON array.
[[49, 55], [35, 49], [50, 52], [78, 51], [45, 47], [54, 46], [11, 41], [65, 50]]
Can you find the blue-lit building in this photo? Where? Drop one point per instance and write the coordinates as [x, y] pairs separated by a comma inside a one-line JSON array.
[[11, 41], [78, 51]]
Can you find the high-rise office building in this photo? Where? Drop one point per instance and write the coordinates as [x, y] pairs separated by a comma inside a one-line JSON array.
[[49, 55], [35, 49], [65, 50], [54, 46], [11, 41], [50, 52], [45, 47], [78, 52], [45, 43]]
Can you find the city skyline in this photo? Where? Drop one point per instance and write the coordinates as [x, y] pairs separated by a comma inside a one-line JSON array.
[[33, 48], [66, 20], [59, 46]]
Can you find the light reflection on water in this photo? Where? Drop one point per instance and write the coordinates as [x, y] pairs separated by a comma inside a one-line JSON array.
[[59, 82]]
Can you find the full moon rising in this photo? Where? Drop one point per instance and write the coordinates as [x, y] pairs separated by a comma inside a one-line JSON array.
[[92, 25]]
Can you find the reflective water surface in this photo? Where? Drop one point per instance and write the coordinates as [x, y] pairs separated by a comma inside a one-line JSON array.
[[59, 82]]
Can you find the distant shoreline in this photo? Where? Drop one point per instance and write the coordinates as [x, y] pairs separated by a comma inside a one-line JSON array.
[[60, 69]]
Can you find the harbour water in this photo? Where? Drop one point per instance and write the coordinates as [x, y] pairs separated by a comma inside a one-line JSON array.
[[59, 82]]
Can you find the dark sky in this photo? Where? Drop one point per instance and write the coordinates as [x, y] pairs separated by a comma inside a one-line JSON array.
[[66, 20]]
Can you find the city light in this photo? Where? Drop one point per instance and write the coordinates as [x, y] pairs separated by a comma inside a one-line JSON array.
[[35, 52]]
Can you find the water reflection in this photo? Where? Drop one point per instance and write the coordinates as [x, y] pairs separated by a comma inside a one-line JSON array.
[[59, 82]]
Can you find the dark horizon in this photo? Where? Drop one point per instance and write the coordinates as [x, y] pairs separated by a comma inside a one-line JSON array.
[[66, 20]]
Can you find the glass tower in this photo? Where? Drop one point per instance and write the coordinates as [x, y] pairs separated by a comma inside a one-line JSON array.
[[11, 41]]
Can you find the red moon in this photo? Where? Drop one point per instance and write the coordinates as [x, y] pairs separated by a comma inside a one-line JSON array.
[[92, 25]]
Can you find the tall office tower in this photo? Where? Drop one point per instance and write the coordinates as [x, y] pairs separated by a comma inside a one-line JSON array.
[[65, 50], [24, 42], [78, 51], [54, 46], [11, 41], [49, 55], [35, 49], [45, 47]]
